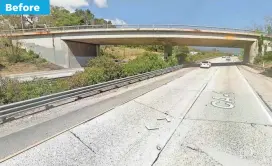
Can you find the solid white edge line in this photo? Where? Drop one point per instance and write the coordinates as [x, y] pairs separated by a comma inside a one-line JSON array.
[[260, 102]]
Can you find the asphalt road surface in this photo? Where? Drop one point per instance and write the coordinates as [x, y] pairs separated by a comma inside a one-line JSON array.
[[205, 117]]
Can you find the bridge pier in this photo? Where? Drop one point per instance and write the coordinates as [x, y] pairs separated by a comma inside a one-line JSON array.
[[250, 52], [167, 51], [79, 53]]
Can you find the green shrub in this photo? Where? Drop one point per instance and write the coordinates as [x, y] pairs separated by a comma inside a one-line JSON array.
[[258, 59], [102, 68], [112, 70], [172, 61], [29, 56], [14, 53], [146, 63], [89, 77], [14, 91], [78, 80], [268, 56], [9, 90]]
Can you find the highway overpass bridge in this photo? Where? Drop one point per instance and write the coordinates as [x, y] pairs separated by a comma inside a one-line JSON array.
[[73, 46]]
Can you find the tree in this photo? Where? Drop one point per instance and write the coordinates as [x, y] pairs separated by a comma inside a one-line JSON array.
[[11, 22], [59, 17], [85, 16], [181, 53], [264, 30]]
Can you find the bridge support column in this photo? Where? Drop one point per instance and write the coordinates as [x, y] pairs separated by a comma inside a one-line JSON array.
[[250, 52], [167, 51], [79, 53], [97, 49]]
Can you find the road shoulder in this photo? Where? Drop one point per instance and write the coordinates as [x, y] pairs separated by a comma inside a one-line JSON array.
[[260, 83]]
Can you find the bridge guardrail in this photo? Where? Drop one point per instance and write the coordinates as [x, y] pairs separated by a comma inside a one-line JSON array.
[[109, 26], [9, 111]]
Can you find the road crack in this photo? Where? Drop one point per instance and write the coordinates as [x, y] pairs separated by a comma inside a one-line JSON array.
[[82, 142], [195, 149], [201, 151], [152, 108], [194, 101]]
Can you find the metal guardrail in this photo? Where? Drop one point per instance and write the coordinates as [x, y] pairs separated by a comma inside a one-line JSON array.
[[10, 110], [109, 26]]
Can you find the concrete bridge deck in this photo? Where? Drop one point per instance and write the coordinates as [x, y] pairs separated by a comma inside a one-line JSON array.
[[74, 46]]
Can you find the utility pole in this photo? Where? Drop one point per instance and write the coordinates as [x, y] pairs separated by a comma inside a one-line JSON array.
[[22, 22]]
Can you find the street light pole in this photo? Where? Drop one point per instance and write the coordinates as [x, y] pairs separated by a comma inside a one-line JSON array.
[[22, 23]]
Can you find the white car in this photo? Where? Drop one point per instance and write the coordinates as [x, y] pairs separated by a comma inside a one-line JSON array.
[[205, 64], [228, 58]]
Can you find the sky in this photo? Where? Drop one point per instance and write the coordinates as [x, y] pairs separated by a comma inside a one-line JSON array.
[[219, 13], [243, 14]]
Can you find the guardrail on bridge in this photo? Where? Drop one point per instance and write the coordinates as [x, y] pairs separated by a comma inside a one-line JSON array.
[[110, 26]]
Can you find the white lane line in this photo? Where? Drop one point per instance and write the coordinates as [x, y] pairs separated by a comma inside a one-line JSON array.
[[260, 102]]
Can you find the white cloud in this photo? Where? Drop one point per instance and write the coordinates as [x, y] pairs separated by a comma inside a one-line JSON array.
[[117, 21], [101, 3], [71, 5]]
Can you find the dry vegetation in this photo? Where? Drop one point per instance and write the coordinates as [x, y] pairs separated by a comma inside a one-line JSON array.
[[7, 68], [125, 53]]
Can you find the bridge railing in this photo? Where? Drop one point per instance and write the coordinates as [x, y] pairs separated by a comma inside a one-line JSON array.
[[109, 26]]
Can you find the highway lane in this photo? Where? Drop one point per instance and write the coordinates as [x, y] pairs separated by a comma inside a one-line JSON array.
[[207, 117], [27, 131], [115, 133], [228, 125], [223, 60]]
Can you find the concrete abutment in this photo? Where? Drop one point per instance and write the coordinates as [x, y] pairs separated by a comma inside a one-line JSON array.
[[250, 52], [67, 54]]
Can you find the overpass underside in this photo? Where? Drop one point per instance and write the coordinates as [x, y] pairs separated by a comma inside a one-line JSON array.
[[249, 46], [166, 41]]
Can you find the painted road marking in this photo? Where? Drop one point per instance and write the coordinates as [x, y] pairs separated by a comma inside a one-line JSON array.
[[225, 101]]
